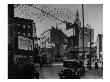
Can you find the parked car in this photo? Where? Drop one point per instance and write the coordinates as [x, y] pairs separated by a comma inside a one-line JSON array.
[[72, 69]]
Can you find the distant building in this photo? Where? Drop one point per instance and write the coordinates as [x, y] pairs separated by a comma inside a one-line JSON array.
[[53, 39], [75, 41], [99, 45], [86, 37], [52, 36]]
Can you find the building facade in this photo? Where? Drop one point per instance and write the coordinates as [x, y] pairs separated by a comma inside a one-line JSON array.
[[76, 39], [10, 33], [53, 40], [87, 37], [99, 46], [24, 32]]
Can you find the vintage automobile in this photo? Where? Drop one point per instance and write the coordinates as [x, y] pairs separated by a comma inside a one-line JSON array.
[[72, 69]]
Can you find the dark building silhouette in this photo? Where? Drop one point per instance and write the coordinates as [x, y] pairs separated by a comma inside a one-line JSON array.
[[24, 37], [10, 33], [53, 40], [99, 45], [20, 46], [21, 33], [76, 40]]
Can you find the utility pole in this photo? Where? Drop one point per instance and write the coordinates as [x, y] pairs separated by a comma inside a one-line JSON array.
[[90, 51], [83, 32], [73, 38], [33, 37]]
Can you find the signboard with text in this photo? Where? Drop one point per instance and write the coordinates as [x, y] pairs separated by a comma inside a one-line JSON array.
[[25, 43]]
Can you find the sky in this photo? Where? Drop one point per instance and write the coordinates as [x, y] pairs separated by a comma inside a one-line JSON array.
[[93, 15]]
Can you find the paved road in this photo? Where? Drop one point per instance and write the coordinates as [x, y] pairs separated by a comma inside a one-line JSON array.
[[93, 74], [52, 72]]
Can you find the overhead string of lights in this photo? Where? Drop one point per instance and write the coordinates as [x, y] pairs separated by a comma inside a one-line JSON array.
[[41, 12]]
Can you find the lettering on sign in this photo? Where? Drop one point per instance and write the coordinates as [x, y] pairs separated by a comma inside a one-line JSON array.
[[25, 43]]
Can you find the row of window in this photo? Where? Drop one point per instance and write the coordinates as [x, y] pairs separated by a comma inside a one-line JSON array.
[[24, 26], [45, 34], [25, 34]]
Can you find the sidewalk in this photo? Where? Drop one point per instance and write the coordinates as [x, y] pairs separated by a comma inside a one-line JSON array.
[[93, 74], [57, 63]]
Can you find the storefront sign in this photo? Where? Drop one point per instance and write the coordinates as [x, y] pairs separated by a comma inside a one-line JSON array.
[[25, 43]]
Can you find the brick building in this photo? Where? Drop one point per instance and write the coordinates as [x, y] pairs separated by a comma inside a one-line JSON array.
[[23, 33]]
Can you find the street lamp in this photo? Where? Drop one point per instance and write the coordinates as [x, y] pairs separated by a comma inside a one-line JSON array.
[[83, 32], [88, 25]]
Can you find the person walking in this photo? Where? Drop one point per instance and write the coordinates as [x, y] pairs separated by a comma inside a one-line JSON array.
[[96, 65]]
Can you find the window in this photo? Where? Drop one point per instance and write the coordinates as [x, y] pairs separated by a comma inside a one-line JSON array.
[[24, 26], [24, 34], [28, 26], [19, 33], [86, 29], [28, 34], [30, 47], [18, 24]]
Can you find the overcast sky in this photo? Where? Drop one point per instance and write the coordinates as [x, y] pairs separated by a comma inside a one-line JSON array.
[[93, 14]]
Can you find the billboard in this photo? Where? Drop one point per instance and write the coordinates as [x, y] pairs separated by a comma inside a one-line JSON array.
[[25, 43]]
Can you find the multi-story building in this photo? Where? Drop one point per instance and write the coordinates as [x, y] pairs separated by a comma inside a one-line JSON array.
[[23, 33], [10, 32], [75, 43], [76, 39], [52, 36], [99, 45], [45, 39], [54, 40], [87, 37]]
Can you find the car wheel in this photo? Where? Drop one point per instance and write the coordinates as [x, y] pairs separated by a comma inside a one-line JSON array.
[[67, 74]]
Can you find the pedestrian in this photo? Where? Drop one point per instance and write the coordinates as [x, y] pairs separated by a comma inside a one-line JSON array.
[[102, 65], [96, 65]]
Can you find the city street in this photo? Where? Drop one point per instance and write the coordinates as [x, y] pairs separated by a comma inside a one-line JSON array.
[[53, 41], [93, 74], [52, 72]]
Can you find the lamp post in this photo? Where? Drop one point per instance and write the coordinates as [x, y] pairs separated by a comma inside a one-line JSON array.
[[90, 50], [83, 32], [89, 63]]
